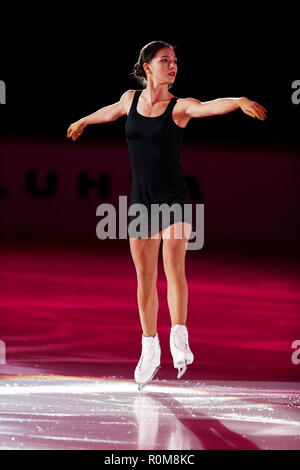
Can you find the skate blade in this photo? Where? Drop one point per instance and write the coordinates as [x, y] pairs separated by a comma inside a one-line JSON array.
[[181, 371], [142, 386], [182, 367]]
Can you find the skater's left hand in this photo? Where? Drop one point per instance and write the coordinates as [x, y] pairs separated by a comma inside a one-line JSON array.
[[253, 109]]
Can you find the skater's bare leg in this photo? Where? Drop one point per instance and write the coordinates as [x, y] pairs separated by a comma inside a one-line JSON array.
[[145, 256], [174, 251]]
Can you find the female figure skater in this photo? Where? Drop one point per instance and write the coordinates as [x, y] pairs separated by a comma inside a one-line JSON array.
[[155, 123]]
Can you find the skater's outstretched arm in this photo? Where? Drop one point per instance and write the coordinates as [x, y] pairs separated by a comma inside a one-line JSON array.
[[195, 108], [106, 114]]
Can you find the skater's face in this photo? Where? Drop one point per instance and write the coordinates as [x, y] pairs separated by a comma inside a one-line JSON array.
[[163, 67]]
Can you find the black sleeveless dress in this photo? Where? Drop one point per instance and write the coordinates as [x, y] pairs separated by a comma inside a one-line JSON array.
[[154, 145]]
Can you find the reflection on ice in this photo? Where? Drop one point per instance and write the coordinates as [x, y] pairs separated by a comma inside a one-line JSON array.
[[53, 412]]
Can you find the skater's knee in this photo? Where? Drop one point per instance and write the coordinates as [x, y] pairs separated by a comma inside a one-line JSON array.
[[147, 275]]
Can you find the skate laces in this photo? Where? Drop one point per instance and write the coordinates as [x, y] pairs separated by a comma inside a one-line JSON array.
[[180, 338], [148, 350], [148, 346]]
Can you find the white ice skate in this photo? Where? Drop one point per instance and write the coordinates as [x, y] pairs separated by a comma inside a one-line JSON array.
[[149, 362], [179, 345]]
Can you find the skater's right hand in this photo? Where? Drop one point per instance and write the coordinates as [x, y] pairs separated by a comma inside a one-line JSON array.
[[76, 129]]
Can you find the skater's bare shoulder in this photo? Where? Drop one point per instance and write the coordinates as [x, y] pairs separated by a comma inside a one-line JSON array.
[[126, 101]]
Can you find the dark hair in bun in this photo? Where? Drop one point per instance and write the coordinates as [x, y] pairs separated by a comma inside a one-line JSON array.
[[145, 56]]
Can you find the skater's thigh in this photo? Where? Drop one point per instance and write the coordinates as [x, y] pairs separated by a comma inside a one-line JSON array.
[[177, 231], [144, 252]]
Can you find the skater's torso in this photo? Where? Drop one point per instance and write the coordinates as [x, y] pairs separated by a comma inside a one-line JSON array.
[[154, 145]]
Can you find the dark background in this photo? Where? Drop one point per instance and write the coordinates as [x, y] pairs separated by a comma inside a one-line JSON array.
[[59, 68]]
